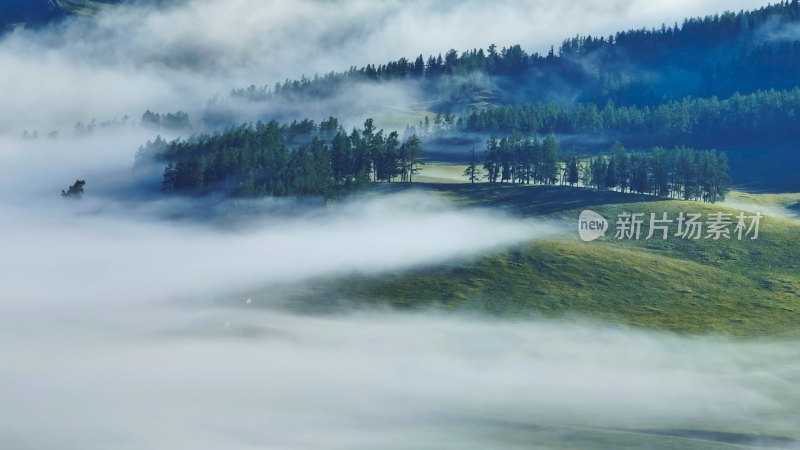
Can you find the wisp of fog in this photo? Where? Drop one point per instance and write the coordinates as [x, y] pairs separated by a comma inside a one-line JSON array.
[[121, 322], [137, 57], [120, 327]]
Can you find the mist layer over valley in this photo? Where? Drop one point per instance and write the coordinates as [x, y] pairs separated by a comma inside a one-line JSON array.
[[192, 377], [122, 327], [132, 321], [213, 292], [153, 55]]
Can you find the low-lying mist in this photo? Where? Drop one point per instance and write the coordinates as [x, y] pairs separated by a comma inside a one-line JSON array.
[[120, 327], [121, 322], [124, 242], [207, 378], [138, 56]]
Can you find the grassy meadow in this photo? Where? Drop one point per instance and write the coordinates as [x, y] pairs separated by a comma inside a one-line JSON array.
[[744, 288]]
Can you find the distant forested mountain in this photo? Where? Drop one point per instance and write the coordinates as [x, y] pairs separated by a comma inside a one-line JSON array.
[[711, 56], [722, 80]]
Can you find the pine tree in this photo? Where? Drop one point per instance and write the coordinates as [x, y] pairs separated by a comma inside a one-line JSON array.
[[621, 166], [611, 174], [491, 163], [660, 169], [506, 160], [413, 149], [471, 172], [550, 159], [573, 175]]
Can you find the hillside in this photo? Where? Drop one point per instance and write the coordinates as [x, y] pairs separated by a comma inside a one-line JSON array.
[[725, 82], [738, 288], [708, 56]]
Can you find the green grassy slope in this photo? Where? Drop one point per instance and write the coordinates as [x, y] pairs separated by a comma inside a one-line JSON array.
[[785, 205], [741, 288]]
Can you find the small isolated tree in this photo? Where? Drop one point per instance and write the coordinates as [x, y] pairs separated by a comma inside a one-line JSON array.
[[471, 172], [74, 191]]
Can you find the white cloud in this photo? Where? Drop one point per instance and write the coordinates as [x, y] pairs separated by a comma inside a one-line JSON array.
[[135, 58], [242, 378]]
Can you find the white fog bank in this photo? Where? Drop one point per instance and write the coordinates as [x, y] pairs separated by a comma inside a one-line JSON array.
[[165, 378], [134, 58]]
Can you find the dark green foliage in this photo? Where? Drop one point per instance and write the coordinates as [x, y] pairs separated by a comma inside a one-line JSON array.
[[301, 158], [598, 173], [152, 148], [550, 161], [620, 171], [170, 176], [714, 55], [571, 170], [522, 160], [171, 121], [74, 191], [491, 159], [471, 172], [679, 173], [410, 158], [761, 116], [611, 178]]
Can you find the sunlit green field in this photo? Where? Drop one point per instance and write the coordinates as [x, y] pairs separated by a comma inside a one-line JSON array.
[[731, 287]]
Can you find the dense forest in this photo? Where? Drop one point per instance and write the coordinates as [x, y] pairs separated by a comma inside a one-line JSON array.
[[724, 79], [177, 121], [306, 158], [713, 81], [679, 173], [715, 55], [764, 116], [301, 158]]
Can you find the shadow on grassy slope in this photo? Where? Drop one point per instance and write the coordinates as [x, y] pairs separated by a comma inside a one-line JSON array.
[[522, 200]]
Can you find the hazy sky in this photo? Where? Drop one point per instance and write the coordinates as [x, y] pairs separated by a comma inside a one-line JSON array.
[[132, 59]]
